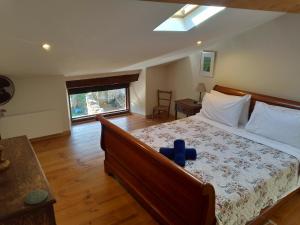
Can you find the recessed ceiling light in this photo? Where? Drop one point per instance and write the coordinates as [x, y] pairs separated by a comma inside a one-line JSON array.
[[199, 43], [46, 46]]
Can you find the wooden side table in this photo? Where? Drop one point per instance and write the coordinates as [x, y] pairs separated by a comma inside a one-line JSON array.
[[187, 106]]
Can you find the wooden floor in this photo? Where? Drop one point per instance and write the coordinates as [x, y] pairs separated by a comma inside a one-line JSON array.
[[87, 196]]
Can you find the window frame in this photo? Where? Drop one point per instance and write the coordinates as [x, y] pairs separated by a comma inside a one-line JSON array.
[[99, 88]]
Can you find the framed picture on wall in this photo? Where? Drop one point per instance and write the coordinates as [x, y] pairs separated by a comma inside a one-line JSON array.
[[207, 63]]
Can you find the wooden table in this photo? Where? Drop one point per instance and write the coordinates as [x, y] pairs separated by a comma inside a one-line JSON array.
[[187, 106], [23, 176]]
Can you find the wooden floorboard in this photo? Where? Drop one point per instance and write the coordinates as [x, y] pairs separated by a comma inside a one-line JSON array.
[[87, 196]]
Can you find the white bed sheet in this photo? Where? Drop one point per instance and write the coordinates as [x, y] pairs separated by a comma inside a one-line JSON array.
[[240, 193], [240, 131]]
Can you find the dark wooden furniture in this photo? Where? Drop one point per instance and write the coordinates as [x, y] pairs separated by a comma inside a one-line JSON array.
[[291, 6], [163, 103], [23, 176], [156, 182], [187, 106]]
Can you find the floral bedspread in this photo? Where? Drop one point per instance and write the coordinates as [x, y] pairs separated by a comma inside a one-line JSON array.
[[247, 176]]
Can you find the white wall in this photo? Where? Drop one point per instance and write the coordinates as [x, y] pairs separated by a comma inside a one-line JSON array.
[[264, 60], [38, 108]]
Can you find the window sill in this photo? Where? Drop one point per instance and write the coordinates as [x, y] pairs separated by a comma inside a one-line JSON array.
[[93, 117]]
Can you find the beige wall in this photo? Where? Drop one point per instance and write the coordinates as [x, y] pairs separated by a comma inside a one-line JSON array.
[[38, 108], [183, 77], [143, 93], [138, 94], [40, 105], [156, 78], [265, 60]]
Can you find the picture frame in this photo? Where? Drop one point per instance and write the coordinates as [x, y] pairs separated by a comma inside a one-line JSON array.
[[207, 63]]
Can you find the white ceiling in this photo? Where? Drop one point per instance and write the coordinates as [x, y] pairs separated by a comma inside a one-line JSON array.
[[97, 36]]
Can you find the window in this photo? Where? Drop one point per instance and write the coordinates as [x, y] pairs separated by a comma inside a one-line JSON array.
[[96, 102], [103, 95], [188, 17]]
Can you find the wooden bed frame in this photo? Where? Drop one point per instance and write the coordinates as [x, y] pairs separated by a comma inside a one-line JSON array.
[[169, 193]]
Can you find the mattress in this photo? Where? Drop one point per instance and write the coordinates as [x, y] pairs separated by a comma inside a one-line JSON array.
[[248, 172]]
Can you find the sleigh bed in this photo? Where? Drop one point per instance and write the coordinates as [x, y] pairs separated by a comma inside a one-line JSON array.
[[171, 194]]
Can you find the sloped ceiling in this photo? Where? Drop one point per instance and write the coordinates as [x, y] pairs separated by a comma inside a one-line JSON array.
[[95, 36]]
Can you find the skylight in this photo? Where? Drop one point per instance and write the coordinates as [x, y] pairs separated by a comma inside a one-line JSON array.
[[185, 10], [188, 17]]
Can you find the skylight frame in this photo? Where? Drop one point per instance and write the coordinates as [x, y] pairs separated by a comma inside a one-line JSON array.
[[192, 19], [185, 10]]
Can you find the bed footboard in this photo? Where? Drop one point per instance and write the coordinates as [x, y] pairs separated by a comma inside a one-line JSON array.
[[169, 193]]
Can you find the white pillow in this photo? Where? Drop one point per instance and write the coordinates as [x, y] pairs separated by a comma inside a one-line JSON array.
[[223, 110], [277, 123], [245, 112]]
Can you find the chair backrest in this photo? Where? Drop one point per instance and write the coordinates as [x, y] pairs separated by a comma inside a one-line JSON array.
[[164, 98]]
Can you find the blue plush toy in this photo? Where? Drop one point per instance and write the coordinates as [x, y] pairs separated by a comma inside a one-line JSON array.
[[179, 153]]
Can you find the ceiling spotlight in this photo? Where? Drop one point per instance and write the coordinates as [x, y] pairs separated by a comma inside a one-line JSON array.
[[46, 46], [199, 43]]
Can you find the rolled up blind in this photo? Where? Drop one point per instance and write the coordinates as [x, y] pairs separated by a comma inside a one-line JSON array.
[[100, 84]]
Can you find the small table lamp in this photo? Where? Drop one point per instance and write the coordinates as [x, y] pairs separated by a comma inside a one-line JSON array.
[[201, 88]]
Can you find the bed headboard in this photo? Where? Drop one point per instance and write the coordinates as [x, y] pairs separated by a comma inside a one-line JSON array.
[[259, 97]]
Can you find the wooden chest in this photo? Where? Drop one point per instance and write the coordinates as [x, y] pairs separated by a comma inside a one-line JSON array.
[[23, 176]]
